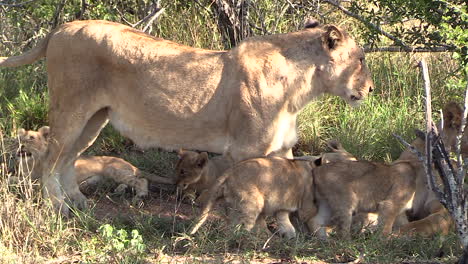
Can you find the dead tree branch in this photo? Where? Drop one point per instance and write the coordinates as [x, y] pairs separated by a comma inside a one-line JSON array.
[[58, 12], [407, 49], [18, 4], [453, 196], [366, 22]]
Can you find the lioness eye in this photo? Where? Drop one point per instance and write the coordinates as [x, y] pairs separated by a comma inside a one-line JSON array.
[[31, 137], [361, 60]]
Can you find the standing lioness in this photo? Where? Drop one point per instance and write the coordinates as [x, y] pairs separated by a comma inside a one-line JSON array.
[[242, 102]]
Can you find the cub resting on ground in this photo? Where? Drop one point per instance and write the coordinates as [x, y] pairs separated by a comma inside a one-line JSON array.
[[196, 173], [260, 187], [242, 102], [88, 169]]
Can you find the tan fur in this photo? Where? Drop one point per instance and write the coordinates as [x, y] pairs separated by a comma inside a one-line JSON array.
[[87, 168], [453, 114], [260, 187], [429, 214], [196, 173], [242, 102], [347, 187]]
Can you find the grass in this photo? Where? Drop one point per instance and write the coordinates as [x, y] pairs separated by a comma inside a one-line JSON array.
[[31, 233]]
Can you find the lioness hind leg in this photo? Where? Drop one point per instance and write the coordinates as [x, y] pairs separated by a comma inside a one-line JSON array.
[[67, 141], [285, 228]]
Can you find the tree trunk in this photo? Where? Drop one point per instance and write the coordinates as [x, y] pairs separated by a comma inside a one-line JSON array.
[[233, 20]]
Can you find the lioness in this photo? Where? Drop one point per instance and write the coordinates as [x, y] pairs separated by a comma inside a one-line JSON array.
[[242, 102], [196, 173], [260, 187], [87, 169]]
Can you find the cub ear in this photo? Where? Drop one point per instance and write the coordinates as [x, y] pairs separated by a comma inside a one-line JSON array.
[[318, 162], [311, 23], [44, 131], [21, 132], [180, 153], [334, 145], [333, 37], [202, 159]]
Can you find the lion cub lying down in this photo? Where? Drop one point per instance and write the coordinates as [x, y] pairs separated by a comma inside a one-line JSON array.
[[256, 188], [87, 169], [196, 173]]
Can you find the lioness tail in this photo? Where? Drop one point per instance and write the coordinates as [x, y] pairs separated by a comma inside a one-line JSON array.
[[28, 57], [214, 195]]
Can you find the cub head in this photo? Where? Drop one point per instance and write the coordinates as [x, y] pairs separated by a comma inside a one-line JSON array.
[[453, 114], [33, 143], [340, 65], [337, 153], [189, 167]]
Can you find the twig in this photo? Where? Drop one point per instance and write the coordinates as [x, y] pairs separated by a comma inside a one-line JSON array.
[[366, 22], [154, 17], [408, 49], [422, 158], [458, 140], [58, 11], [18, 4]]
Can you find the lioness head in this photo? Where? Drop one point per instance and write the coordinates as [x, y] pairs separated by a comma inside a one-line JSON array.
[[189, 167], [33, 143], [342, 70]]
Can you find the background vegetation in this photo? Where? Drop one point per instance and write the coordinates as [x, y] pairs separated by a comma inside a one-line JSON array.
[[29, 233]]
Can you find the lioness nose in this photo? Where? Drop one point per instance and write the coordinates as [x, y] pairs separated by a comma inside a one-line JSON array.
[[371, 89]]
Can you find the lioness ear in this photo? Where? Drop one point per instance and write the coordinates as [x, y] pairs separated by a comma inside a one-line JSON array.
[[202, 159], [21, 132], [45, 131], [332, 37], [311, 23]]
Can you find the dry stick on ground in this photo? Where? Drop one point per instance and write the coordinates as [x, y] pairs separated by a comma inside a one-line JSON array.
[[452, 196]]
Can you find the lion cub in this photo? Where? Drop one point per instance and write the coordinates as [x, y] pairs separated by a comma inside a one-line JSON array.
[[87, 169], [260, 187], [347, 187], [196, 173]]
